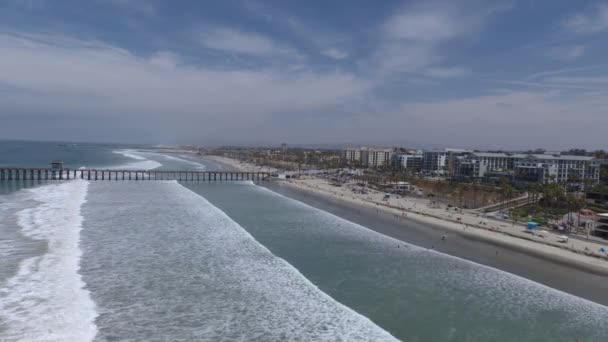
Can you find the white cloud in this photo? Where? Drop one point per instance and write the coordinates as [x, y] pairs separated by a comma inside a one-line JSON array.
[[164, 59], [395, 56], [590, 80], [414, 38], [327, 41], [449, 72], [90, 80], [234, 41], [335, 53], [513, 120], [593, 21], [566, 53], [426, 24]]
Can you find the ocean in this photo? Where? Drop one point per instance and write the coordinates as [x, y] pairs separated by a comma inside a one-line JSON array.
[[164, 261]]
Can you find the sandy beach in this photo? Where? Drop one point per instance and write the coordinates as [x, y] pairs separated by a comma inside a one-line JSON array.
[[578, 253]]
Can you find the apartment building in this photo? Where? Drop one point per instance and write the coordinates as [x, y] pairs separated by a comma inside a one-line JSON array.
[[434, 162], [408, 161], [368, 156], [541, 168], [560, 168], [479, 164]]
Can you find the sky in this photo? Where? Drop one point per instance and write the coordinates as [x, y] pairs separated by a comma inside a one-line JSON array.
[[498, 74]]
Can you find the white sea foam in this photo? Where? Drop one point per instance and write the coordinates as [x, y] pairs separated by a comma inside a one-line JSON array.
[[197, 165], [301, 296], [46, 299], [142, 164], [519, 296], [201, 275], [129, 154]]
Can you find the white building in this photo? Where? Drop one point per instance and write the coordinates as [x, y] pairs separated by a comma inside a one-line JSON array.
[[561, 168], [368, 156], [408, 161], [530, 167], [478, 164], [434, 162]]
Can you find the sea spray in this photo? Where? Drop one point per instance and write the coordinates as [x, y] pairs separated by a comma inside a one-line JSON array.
[[46, 299]]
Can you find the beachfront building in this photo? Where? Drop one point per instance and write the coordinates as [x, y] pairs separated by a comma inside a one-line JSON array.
[[408, 161], [536, 168], [352, 156], [533, 170], [368, 156], [442, 162], [477, 165], [601, 227], [434, 162], [547, 168]]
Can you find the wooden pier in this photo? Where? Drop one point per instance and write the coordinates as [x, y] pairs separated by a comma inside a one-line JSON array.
[[43, 174]]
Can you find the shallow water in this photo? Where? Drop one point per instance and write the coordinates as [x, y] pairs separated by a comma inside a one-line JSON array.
[[164, 264], [414, 293], [164, 261]]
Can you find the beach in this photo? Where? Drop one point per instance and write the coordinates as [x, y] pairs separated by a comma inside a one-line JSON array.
[[497, 244], [266, 261]]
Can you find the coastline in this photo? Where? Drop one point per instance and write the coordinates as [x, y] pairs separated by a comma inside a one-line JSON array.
[[496, 232], [555, 267]]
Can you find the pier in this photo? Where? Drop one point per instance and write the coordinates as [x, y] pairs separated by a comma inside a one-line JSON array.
[[44, 174]]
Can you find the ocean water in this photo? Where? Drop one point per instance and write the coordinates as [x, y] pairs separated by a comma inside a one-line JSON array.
[[164, 261]]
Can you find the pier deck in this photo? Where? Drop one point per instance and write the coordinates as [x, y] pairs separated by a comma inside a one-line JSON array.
[[125, 175]]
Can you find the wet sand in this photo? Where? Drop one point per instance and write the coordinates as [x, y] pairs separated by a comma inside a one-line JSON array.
[[563, 275], [550, 272]]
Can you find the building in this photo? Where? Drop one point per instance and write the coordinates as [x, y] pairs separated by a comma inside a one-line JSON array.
[[534, 170], [408, 161], [480, 164], [541, 168], [601, 227], [352, 156], [560, 168], [604, 170], [442, 162], [434, 162], [368, 156]]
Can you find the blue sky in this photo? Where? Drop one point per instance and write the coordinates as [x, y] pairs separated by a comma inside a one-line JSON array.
[[496, 74]]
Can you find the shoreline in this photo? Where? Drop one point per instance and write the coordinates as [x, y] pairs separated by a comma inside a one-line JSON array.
[[555, 267], [500, 238], [492, 234], [561, 274]]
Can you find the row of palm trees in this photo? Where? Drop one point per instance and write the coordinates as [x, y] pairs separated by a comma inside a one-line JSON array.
[[555, 196]]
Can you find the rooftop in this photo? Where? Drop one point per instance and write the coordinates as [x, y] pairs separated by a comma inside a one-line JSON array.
[[560, 157]]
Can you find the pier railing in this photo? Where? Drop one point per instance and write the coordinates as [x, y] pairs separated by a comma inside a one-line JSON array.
[[124, 175]]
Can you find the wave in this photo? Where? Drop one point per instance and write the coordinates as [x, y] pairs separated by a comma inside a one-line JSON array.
[[46, 299], [201, 275], [129, 154], [198, 166], [524, 294], [142, 164], [307, 299]]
